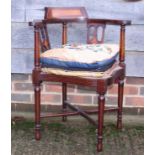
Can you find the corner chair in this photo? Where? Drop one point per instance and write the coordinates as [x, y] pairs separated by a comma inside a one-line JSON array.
[[99, 80]]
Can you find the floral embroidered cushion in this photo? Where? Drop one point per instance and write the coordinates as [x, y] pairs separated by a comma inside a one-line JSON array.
[[81, 57]]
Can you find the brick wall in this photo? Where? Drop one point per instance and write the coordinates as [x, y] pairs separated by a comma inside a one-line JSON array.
[[22, 92]]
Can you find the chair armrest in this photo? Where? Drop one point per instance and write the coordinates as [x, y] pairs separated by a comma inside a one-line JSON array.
[[90, 20], [110, 21], [36, 23]]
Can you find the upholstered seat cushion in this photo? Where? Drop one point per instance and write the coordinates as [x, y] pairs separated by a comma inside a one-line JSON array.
[[81, 57], [83, 74]]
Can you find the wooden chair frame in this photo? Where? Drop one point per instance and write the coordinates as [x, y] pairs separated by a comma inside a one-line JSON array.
[[100, 84]]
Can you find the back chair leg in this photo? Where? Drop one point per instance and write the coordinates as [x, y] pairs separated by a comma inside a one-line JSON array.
[[64, 98], [37, 112], [101, 105], [120, 103]]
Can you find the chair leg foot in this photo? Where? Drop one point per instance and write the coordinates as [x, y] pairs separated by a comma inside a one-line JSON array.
[[101, 103], [120, 103], [64, 118], [119, 124], [99, 145], [37, 133]]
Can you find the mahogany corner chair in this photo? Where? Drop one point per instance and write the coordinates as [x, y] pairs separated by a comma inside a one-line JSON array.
[[115, 74]]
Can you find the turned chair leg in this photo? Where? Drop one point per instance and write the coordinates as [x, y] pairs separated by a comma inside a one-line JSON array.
[[101, 105], [37, 112], [120, 103], [64, 98]]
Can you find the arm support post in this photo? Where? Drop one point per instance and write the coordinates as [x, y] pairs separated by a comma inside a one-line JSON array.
[[36, 48], [122, 45], [64, 33]]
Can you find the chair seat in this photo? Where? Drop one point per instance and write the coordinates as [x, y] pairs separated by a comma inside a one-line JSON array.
[[76, 57], [83, 74]]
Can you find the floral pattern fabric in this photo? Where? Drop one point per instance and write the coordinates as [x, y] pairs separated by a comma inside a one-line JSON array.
[[81, 56]]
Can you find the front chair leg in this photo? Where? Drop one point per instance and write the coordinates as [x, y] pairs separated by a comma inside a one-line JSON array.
[[120, 103], [64, 98], [101, 105], [37, 112]]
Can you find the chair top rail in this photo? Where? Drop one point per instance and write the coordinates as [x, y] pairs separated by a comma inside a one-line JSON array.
[[109, 21], [80, 20]]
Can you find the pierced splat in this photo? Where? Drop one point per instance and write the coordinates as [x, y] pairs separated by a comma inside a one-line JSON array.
[[44, 39], [95, 33]]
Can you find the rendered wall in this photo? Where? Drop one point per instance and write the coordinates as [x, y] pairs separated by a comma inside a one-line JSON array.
[[24, 11]]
